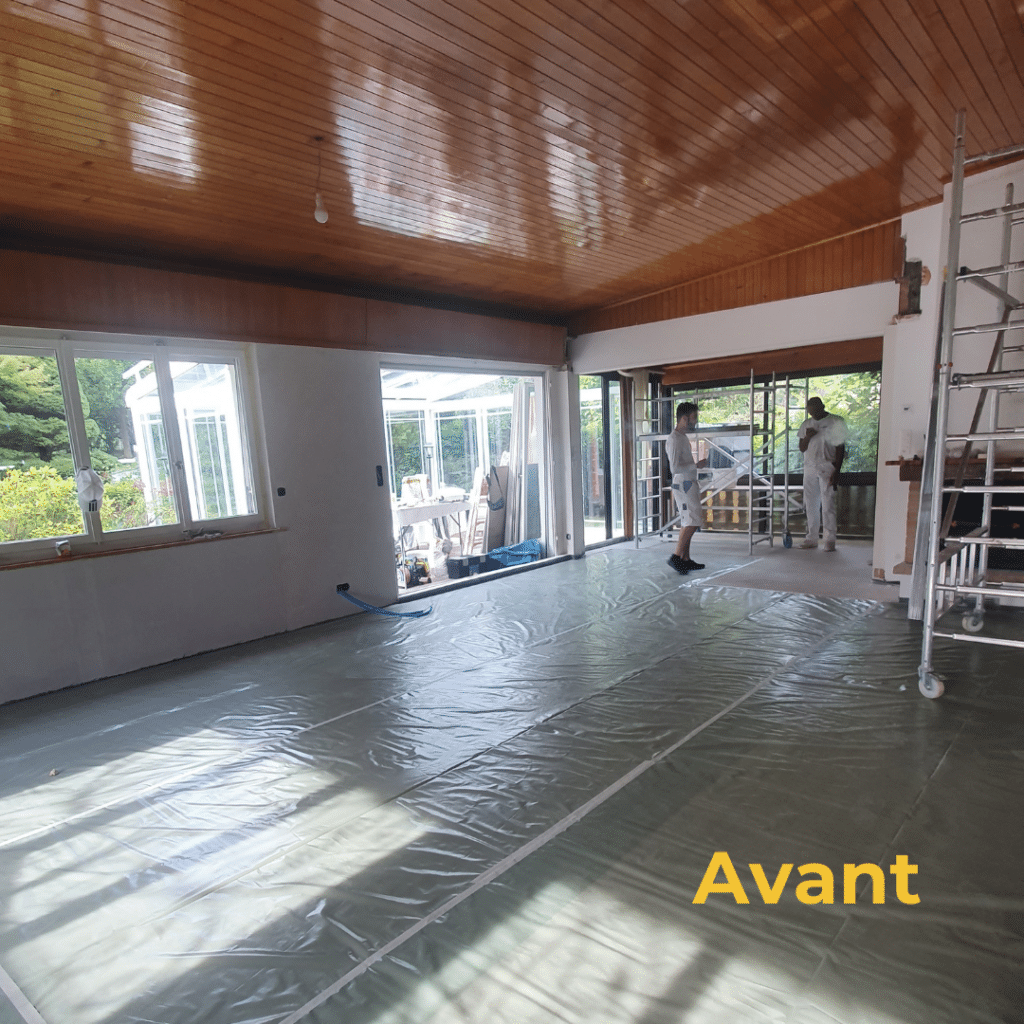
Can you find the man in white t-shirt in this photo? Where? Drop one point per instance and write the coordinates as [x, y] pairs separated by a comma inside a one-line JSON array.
[[822, 439], [685, 489]]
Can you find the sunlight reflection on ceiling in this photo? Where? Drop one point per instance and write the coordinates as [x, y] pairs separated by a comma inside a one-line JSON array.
[[393, 177], [162, 139], [574, 195]]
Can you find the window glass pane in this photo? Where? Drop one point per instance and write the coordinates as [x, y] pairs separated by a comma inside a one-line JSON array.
[[615, 446], [499, 435], [456, 437], [592, 439], [215, 457], [38, 497], [127, 442], [405, 434], [531, 478]]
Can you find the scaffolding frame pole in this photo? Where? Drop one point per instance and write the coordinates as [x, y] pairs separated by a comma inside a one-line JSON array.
[[960, 573]]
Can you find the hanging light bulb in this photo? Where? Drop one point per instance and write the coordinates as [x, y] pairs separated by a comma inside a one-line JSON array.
[[320, 211]]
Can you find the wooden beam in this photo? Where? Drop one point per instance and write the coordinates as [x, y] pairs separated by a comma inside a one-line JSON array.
[[833, 357], [64, 293]]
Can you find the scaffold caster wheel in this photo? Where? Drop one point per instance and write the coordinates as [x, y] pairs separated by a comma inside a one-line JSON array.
[[787, 541], [973, 622], [931, 686]]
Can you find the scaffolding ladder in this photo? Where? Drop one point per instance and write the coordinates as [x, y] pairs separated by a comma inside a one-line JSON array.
[[767, 432], [769, 460], [955, 575]]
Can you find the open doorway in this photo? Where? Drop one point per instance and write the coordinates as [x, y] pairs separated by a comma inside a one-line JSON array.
[[725, 407], [468, 483]]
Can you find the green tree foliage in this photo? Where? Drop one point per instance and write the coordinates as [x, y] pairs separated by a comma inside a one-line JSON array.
[[854, 396], [124, 507], [33, 428], [107, 420], [726, 409], [592, 442], [103, 387], [590, 406], [33, 422], [38, 502], [499, 435]]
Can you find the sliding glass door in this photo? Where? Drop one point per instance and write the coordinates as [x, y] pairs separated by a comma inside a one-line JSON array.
[[601, 436]]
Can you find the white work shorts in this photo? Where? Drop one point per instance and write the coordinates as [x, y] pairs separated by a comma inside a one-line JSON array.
[[686, 493]]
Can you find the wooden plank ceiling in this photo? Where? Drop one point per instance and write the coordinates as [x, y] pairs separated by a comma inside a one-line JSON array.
[[551, 156]]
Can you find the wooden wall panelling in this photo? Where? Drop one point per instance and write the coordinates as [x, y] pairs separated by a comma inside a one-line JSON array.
[[61, 293], [395, 327], [865, 257]]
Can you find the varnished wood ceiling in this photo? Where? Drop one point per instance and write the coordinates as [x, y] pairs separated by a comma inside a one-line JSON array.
[[548, 155]]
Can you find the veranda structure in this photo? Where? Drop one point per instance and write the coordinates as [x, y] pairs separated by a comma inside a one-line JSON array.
[[434, 430]]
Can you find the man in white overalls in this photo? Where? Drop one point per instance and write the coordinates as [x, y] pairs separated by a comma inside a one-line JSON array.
[[823, 441], [685, 486]]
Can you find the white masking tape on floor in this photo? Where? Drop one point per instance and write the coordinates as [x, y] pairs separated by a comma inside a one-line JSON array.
[[513, 859], [28, 1012]]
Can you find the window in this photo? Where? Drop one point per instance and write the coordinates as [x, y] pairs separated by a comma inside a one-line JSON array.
[[165, 428], [216, 467], [406, 455], [446, 431], [37, 490], [457, 444], [128, 444]]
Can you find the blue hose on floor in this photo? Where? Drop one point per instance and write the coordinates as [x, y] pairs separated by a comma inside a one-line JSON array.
[[343, 590]]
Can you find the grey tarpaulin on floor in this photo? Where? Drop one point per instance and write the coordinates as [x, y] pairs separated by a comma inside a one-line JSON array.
[[502, 813]]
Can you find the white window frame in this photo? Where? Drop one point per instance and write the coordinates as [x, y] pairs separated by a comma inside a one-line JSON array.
[[541, 379], [162, 352]]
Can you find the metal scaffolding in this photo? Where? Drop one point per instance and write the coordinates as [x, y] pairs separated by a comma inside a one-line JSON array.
[[759, 467], [952, 573]]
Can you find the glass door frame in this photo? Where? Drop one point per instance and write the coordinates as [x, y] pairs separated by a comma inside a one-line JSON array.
[[610, 479]]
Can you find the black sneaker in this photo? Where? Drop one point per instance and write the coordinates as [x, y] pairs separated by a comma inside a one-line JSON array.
[[679, 565], [689, 564]]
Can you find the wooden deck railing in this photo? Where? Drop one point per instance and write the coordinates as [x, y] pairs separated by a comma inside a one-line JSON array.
[[855, 508]]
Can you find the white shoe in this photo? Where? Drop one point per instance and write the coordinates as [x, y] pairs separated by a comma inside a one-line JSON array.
[[809, 543], [830, 545]]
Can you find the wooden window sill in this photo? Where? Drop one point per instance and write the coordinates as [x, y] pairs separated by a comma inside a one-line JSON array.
[[105, 552]]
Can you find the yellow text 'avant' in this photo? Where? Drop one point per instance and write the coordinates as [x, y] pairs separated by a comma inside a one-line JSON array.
[[820, 888]]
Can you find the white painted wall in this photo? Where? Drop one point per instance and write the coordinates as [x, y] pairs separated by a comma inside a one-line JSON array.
[[325, 437], [566, 457], [908, 358], [82, 619], [833, 316]]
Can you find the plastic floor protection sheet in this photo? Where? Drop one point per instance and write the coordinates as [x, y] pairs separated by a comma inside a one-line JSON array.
[[502, 812]]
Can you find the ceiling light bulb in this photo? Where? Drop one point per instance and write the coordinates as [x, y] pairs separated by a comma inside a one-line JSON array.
[[320, 211]]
